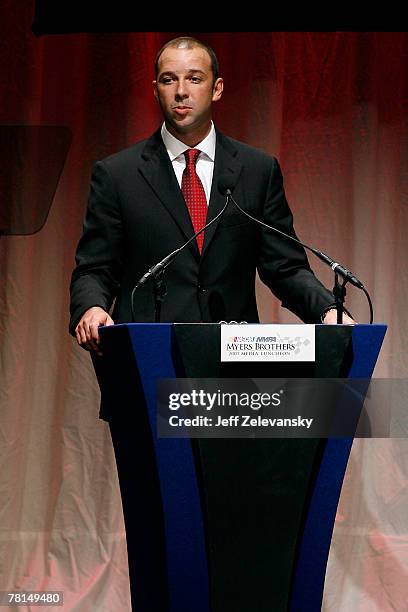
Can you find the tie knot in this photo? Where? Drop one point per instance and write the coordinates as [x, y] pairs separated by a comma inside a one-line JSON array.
[[191, 156]]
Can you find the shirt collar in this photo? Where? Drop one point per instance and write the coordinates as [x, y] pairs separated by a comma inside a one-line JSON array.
[[175, 147]]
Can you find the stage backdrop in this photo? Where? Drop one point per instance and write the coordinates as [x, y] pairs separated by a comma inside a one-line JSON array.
[[333, 108]]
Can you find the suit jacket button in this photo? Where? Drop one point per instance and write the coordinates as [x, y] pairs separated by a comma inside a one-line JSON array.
[[201, 289]]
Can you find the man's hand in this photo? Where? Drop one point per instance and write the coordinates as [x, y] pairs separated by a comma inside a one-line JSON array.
[[86, 331], [331, 318]]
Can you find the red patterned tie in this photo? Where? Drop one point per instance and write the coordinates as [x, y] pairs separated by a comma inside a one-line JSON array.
[[194, 194]]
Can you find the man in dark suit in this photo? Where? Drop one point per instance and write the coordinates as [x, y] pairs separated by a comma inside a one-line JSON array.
[[137, 215], [139, 211]]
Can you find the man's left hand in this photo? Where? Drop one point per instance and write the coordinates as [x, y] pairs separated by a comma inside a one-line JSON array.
[[330, 318]]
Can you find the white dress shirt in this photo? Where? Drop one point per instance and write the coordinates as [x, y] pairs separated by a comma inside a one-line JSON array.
[[205, 163]]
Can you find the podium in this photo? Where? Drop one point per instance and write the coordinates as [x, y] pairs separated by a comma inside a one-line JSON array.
[[239, 525]]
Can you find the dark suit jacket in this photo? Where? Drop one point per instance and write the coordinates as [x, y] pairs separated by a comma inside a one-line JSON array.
[[137, 215]]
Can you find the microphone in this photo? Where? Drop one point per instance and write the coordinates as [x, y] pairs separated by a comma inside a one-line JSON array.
[[157, 270], [162, 265], [225, 185]]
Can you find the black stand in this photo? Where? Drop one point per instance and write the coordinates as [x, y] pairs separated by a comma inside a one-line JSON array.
[[159, 290], [339, 292]]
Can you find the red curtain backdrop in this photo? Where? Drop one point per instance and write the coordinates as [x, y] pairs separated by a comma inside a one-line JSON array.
[[332, 106]]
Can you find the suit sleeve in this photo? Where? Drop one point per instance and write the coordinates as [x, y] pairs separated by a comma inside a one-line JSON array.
[[96, 278], [282, 264]]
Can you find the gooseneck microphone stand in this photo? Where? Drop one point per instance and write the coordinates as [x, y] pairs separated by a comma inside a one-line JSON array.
[[156, 272], [339, 290]]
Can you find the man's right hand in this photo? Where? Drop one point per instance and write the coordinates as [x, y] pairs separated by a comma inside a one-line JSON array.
[[86, 331]]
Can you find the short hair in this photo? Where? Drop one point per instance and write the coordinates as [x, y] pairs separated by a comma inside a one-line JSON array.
[[188, 42]]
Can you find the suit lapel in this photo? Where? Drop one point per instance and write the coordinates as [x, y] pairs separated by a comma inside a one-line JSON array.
[[159, 173], [226, 165]]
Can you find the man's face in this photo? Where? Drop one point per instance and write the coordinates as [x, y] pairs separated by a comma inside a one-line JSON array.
[[185, 91]]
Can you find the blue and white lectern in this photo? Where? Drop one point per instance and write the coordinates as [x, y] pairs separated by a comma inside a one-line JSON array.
[[246, 524]]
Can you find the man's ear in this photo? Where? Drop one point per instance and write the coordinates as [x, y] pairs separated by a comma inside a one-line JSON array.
[[218, 89], [156, 95]]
